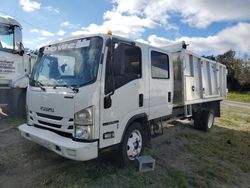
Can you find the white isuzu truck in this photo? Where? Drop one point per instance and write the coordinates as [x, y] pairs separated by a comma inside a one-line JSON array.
[[14, 67], [95, 92]]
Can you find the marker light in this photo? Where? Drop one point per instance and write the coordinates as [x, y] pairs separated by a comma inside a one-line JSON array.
[[109, 32]]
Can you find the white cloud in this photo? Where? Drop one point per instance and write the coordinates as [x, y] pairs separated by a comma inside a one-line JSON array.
[[64, 24], [61, 33], [41, 38], [52, 9], [119, 24], [29, 5], [35, 43], [131, 18], [234, 37], [69, 25], [196, 13], [42, 32]]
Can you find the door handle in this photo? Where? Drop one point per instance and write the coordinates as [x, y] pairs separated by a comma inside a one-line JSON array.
[[169, 96], [140, 100], [193, 88]]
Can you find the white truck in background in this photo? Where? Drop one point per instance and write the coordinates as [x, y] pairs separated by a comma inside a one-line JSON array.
[[90, 93], [14, 68]]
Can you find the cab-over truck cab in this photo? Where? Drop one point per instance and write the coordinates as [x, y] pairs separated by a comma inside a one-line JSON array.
[[14, 68], [93, 92]]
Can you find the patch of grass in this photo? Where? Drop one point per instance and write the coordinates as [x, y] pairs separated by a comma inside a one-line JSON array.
[[240, 97], [150, 153], [177, 178], [235, 117], [97, 174], [222, 154], [235, 110], [228, 122]]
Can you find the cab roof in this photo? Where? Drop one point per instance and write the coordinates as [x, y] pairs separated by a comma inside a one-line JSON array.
[[9, 21], [104, 36]]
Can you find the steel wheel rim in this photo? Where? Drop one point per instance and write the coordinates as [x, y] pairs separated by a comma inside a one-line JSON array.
[[134, 144], [210, 120]]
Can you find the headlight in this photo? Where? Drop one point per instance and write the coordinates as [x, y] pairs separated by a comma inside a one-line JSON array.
[[84, 117], [82, 132], [83, 123]]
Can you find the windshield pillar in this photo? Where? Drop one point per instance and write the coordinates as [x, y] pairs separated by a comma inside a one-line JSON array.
[[17, 41]]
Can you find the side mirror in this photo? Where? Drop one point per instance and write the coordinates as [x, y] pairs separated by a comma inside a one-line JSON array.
[[107, 102], [21, 49]]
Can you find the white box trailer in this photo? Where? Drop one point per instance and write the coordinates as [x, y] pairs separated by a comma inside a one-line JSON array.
[[14, 68], [91, 93]]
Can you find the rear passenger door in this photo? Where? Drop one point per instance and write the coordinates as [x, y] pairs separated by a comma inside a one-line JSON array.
[[161, 84]]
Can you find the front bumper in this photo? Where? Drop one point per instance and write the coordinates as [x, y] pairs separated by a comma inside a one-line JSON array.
[[61, 145]]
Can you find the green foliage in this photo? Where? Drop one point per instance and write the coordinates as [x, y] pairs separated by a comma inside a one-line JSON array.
[[238, 70], [241, 97]]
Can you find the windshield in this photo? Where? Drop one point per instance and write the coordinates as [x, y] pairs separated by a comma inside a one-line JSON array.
[[6, 37], [74, 63]]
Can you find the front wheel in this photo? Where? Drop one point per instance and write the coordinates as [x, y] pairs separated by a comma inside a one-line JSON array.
[[133, 143]]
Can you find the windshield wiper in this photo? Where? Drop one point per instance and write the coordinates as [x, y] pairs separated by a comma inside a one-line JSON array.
[[39, 84], [74, 89]]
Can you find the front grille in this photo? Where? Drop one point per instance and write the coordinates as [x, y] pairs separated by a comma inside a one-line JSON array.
[[52, 121], [49, 124], [58, 118], [70, 127], [64, 134]]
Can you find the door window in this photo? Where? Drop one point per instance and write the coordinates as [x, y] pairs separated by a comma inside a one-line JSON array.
[[159, 65], [126, 66]]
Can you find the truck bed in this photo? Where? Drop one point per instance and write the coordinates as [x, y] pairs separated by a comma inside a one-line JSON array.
[[197, 79]]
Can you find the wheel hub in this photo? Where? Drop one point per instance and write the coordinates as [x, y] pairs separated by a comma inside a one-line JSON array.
[[134, 144]]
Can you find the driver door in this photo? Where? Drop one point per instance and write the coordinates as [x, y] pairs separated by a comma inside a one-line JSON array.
[[123, 91]]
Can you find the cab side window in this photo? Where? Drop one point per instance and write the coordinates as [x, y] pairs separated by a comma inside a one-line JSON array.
[[159, 65], [126, 65]]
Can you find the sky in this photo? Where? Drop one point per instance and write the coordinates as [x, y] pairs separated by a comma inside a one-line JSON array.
[[209, 27]]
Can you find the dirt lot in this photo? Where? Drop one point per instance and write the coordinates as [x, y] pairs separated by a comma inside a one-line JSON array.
[[184, 158]]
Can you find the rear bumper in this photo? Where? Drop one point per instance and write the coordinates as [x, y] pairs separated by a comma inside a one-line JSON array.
[[65, 147]]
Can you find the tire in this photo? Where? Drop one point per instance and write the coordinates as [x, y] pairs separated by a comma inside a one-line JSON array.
[[203, 119], [133, 144], [197, 120], [207, 120]]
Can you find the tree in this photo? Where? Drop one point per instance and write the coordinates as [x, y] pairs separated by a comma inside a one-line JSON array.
[[238, 78]]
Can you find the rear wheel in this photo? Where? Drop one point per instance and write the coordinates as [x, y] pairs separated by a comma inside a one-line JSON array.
[[133, 143], [203, 119]]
